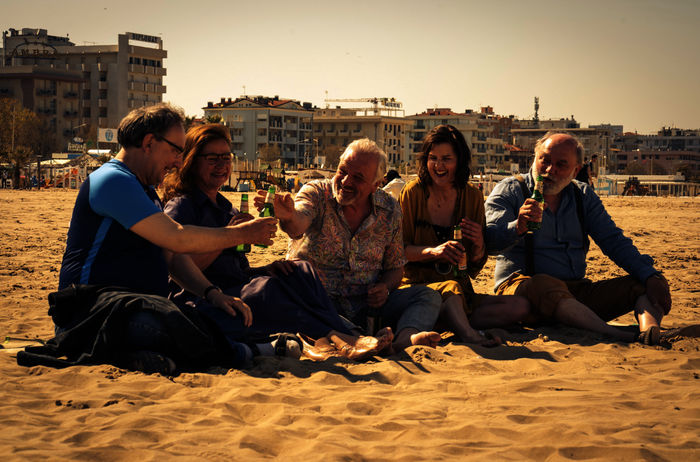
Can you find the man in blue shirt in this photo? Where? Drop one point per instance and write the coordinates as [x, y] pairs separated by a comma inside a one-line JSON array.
[[557, 288], [119, 235]]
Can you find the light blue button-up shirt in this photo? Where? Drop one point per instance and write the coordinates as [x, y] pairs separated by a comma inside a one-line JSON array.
[[559, 244]]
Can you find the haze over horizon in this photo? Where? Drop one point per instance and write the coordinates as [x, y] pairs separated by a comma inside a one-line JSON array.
[[624, 62]]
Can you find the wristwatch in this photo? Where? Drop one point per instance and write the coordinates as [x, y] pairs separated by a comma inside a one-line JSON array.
[[209, 289]]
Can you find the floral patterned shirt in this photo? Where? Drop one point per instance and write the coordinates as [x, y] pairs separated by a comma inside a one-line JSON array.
[[348, 263]]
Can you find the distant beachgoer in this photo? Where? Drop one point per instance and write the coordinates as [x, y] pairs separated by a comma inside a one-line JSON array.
[[393, 183], [432, 205], [555, 280], [284, 296], [351, 232]]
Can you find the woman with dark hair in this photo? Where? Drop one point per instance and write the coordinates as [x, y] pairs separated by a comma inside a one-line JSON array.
[[284, 295], [439, 200]]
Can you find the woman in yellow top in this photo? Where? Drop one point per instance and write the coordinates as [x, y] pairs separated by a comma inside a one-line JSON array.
[[433, 204]]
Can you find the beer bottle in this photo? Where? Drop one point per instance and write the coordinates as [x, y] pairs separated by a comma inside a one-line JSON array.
[[243, 248], [460, 271], [373, 321], [539, 197], [268, 209]]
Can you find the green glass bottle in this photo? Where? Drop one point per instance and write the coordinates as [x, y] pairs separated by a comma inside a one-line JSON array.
[[460, 270], [268, 209], [244, 248], [539, 197]]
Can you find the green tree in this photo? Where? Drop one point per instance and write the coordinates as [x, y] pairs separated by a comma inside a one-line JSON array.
[[214, 119], [332, 154], [269, 153], [20, 129], [189, 121]]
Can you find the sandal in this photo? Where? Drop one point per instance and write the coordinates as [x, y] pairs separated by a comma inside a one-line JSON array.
[[317, 350], [650, 337], [366, 347]]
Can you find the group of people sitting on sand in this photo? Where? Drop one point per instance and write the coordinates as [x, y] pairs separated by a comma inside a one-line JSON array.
[[156, 283]]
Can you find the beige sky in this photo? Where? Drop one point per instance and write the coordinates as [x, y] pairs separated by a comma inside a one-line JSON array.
[[629, 62]]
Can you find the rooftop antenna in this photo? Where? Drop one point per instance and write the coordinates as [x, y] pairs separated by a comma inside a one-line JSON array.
[[536, 119], [327, 104], [244, 91]]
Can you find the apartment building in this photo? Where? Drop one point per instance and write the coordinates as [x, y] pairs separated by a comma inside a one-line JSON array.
[[595, 141], [483, 132], [668, 151], [335, 128], [257, 123], [106, 81]]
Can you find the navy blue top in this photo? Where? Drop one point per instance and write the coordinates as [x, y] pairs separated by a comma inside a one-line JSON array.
[[230, 268], [100, 249]]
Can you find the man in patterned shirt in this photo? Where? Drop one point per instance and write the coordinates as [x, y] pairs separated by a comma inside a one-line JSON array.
[[351, 231]]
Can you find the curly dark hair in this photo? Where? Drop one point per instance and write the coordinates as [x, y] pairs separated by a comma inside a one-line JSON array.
[[446, 134], [183, 181]]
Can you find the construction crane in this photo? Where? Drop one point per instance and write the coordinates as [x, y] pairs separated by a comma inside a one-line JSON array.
[[379, 105]]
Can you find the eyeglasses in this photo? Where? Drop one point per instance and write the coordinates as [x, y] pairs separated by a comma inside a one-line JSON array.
[[175, 146], [213, 159]]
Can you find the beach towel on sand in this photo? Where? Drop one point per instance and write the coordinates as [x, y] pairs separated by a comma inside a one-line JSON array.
[[92, 320]]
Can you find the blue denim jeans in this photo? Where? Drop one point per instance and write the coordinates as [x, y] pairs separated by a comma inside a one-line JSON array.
[[416, 307]]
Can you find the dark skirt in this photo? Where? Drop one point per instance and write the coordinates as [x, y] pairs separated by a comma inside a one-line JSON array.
[[296, 302]]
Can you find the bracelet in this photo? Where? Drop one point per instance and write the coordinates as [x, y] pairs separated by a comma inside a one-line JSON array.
[[209, 289]]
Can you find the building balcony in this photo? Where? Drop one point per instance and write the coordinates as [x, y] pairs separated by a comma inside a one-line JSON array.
[[45, 92], [290, 126], [159, 88], [261, 139], [102, 103], [137, 86], [70, 95], [102, 122], [137, 68], [134, 103], [70, 114], [102, 85]]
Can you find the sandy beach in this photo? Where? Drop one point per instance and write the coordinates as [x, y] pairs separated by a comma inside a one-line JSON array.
[[549, 394]]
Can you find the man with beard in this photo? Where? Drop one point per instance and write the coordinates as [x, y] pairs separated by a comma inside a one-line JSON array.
[[556, 285], [350, 230]]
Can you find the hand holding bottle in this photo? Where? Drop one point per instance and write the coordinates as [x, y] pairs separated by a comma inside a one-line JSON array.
[[259, 230]]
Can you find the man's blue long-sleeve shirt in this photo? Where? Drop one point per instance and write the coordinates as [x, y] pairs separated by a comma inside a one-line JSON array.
[[559, 244]]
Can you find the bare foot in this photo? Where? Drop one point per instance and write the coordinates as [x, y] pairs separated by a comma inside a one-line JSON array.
[[430, 339]]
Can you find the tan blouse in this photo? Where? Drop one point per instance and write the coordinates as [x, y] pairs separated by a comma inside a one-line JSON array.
[[418, 230]]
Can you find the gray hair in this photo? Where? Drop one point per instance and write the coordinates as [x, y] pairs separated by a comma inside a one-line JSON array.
[[156, 120], [367, 146], [574, 141]]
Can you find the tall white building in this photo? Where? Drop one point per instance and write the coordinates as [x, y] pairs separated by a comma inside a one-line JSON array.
[[110, 80]]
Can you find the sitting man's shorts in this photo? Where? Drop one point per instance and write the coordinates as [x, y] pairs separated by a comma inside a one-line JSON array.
[[608, 299]]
